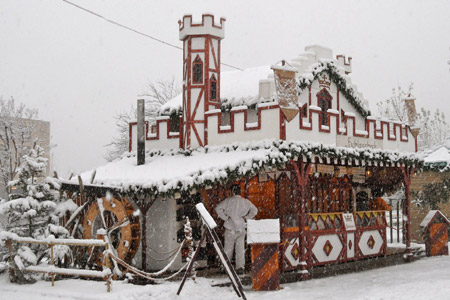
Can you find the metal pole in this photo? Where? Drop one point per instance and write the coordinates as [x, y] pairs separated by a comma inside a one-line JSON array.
[[140, 132]]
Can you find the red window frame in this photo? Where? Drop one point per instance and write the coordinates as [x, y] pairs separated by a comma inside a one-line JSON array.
[[324, 102], [197, 70], [213, 88]]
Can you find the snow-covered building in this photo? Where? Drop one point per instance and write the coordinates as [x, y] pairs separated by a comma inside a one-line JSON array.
[[437, 169], [32, 131], [296, 135]]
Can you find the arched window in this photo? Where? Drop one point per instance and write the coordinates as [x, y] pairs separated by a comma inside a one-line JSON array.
[[197, 70], [324, 102], [213, 88]]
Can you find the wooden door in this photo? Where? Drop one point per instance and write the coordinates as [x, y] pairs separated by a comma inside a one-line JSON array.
[[262, 195], [439, 239]]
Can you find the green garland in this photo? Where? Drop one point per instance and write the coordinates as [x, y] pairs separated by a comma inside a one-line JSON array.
[[340, 82], [280, 153]]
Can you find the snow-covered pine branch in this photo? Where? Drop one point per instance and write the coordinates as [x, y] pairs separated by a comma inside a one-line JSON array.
[[31, 212], [15, 137]]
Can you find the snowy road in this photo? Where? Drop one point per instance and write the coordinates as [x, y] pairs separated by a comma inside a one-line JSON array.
[[428, 278]]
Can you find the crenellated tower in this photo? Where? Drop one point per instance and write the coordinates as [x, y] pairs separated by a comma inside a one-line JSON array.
[[201, 76]]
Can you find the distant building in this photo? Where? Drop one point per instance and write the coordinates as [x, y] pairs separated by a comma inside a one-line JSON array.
[[39, 132], [439, 159]]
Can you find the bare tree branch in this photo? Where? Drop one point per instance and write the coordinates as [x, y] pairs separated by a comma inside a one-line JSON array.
[[156, 94]]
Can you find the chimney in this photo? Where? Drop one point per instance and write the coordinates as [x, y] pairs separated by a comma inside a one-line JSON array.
[[140, 132]]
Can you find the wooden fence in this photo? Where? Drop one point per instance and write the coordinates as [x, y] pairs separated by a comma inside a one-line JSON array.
[[52, 270]]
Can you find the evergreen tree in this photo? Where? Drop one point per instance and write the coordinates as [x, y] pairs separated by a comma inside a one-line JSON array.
[[434, 194], [30, 213]]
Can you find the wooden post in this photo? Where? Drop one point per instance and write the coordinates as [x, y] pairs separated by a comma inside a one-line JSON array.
[[80, 182], [8, 244], [302, 172], [140, 132], [52, 262], [407, 174], [391, 223], [107, 262], [398, 222]]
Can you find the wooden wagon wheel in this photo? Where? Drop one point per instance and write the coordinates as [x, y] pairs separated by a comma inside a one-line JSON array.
[[123, 227]]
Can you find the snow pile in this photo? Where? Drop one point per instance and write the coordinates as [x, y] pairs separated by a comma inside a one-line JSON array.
[[64, 207], [424, 279], [263, 231]]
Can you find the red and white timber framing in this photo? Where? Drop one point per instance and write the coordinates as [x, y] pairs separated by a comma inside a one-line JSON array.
[[207, 128], [201, 77]]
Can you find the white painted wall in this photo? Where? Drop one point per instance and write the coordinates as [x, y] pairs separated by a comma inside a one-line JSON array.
[[162, 234]]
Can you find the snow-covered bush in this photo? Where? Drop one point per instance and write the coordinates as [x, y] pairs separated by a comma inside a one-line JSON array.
[[30, 212]]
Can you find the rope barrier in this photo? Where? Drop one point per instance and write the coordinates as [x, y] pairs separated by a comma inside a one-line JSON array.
[[172, 253], [148, 275]]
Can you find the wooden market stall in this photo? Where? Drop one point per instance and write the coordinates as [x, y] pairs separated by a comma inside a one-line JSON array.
[[297, 136]]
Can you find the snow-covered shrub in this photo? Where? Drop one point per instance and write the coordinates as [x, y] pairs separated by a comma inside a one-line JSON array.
[[30, 212]]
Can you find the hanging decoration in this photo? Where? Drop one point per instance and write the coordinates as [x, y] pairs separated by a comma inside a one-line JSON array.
[[286, 88]]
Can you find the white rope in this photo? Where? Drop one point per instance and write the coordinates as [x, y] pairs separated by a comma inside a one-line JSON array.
[[173, 252], [145, 274]]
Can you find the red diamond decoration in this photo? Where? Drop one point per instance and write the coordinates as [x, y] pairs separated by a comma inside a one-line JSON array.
[[371, 242], [327, 248], [350, 244], [295, 251]]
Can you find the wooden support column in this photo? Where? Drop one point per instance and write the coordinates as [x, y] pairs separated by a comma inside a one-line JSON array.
[[407, 171], [302, 170]]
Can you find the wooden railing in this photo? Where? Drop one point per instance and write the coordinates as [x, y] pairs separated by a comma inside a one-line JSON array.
[[52, 270]]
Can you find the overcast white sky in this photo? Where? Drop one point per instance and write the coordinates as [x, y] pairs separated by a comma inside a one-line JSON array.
[[79, 70]]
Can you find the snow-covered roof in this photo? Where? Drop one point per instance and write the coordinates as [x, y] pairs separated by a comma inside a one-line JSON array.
[[168, 171], [236, 88], [242, 87], [440, 155], [429, 217]]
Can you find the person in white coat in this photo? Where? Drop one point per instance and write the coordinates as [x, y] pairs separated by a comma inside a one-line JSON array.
[[235, 210]]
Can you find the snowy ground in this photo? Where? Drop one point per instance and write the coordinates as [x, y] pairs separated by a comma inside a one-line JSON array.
[[427, 278]]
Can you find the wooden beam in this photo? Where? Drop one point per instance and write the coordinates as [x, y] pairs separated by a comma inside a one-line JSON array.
[[407, 171]]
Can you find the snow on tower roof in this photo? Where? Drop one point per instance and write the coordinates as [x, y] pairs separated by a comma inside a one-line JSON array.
[[237, 88], [242, 87]]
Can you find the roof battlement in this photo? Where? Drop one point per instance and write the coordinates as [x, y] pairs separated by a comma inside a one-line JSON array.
[[206, 27], [346, 63]]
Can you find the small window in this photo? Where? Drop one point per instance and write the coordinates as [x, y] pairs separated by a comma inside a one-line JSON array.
[[304, 111], [324, 102], [213, 87], [198, 70]]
